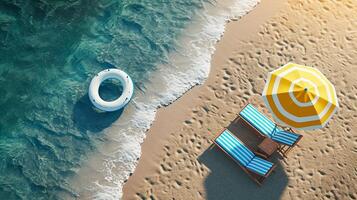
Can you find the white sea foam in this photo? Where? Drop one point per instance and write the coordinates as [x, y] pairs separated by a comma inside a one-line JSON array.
[[189, 66]]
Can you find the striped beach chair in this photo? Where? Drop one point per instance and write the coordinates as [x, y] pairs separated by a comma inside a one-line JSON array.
[[265, 127], [257, 168]]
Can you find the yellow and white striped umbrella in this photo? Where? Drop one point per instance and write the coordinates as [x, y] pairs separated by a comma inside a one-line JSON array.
[[300, 96]]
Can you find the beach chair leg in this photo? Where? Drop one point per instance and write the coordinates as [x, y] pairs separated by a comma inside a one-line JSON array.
[[258, 181], [288, 150], [283, 151]]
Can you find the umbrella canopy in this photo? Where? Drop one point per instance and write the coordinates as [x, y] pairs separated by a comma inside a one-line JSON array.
[[300, 96]]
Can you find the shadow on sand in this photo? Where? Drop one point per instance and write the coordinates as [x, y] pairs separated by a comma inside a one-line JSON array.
[[228, 181], [87, 119]]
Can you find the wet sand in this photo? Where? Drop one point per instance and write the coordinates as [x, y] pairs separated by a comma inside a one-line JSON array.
[[177, 161]]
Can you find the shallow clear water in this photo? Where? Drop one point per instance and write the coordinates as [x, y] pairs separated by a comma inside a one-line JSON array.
[[110, 89], [49, 52]]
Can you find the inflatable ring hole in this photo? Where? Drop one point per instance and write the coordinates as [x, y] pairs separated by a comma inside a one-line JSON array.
[[110, 89]]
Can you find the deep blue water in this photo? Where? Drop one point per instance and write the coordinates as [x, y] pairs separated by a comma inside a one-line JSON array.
[[49, 52]]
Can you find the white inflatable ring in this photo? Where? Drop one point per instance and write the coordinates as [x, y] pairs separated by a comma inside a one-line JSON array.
[[120, 102]]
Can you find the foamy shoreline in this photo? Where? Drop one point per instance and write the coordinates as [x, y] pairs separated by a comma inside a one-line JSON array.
[[176, 161], [117, 157], [167, 116]]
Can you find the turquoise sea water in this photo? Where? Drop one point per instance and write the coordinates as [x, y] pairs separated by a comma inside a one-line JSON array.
[[49, 52]]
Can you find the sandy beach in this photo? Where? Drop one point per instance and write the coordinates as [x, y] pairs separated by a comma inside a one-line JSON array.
[[177, 161]]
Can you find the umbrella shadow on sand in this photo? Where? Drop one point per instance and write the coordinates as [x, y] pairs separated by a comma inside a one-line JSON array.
[[228, 181], [86, 118]]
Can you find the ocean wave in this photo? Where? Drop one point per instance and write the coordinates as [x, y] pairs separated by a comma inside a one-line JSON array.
[[50, 50], [52, 143], [187, 66]]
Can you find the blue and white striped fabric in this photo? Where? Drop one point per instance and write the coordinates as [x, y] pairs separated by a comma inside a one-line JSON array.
[[241, 153], [258, 120], [260, 166], [235, 148], [285, 137], [267, 127]]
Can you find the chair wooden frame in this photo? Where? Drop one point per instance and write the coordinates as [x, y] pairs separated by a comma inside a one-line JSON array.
[[283, 148], [259, 179]]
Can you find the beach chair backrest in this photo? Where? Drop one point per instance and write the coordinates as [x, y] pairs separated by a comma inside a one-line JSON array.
[[235, 148], [258, 120]]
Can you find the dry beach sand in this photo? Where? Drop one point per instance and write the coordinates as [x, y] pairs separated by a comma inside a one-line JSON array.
[[177, 161]]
